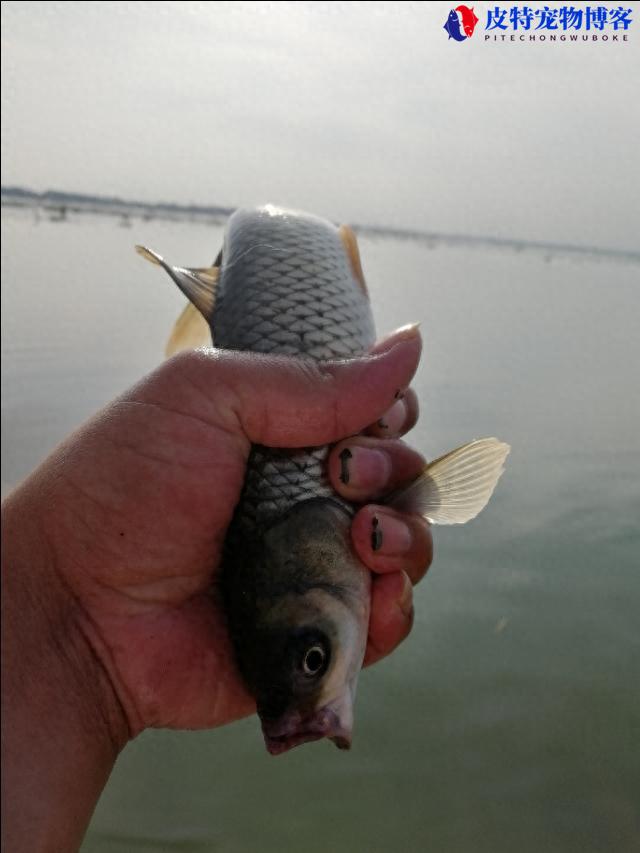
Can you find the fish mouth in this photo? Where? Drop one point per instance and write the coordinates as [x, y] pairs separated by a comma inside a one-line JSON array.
[[293, 730]]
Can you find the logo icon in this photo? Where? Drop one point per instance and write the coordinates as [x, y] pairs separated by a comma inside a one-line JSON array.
[[461, 23]]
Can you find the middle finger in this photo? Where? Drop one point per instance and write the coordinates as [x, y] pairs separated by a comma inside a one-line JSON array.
[[363, 469], [399, 419]]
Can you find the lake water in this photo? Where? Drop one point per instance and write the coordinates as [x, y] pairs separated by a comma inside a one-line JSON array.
[[510, 719]]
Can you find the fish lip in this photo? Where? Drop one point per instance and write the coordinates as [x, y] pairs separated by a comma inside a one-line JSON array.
[[293, 730], [280, 745]]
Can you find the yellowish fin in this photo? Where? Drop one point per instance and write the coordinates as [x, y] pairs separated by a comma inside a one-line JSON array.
[[350, 243], [456, 487], [190, 331], [198, 284]]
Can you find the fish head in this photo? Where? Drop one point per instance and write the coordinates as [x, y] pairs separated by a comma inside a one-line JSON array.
[[303, 653], [307, 688]]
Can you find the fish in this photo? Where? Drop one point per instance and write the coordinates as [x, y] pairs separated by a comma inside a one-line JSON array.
[[452, 26], [295, 594], [469, 19]]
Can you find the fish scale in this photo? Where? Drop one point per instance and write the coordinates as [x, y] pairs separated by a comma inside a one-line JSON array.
[[287, 288]]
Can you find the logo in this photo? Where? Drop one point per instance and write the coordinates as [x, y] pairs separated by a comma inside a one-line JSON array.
[[461, 23], [543, 24]]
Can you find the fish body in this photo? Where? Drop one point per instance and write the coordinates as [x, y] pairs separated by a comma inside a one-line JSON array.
[[296, 595], [452, 26]]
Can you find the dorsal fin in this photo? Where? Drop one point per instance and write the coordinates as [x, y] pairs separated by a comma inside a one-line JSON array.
[[198, 284], [350, 243]]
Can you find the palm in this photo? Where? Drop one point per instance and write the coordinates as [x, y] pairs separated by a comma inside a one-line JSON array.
[[139, 501], [157, 519]]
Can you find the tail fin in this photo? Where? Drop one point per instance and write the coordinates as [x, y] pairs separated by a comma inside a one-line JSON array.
[[192, 328]]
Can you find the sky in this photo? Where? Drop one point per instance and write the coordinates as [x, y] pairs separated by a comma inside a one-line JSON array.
[[362, 112]]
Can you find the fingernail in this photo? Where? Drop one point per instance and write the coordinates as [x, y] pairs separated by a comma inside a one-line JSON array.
[[393, 419], [404, 333], [365, 468], [345, 456], [389, 535], [405, 602], [408, 331], [376, 534]]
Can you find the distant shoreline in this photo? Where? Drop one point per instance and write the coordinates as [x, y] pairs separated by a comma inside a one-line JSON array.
[[59, 204], [81, 203]]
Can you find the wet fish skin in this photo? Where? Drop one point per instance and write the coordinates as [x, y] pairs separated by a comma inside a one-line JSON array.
[[290, 577]]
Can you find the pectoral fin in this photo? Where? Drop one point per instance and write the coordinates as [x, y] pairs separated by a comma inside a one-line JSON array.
[[198, 284], [456, 487]]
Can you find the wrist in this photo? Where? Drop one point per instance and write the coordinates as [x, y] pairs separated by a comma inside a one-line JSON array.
[[62, 723]]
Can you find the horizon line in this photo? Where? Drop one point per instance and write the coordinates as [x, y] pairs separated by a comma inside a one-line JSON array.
[[57, 199]]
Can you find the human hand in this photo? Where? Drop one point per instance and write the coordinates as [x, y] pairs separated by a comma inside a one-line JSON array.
[[110, 548], [134, 507]]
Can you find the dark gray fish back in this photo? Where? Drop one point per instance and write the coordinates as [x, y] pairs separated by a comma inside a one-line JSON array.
[[286, 287]]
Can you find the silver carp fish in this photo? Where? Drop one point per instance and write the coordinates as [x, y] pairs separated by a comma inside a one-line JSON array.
[[296, 595]]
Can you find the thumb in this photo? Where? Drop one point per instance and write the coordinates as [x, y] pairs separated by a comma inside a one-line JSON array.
[[286, 402]]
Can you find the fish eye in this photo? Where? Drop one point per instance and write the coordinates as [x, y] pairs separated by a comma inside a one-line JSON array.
[[314, 660]]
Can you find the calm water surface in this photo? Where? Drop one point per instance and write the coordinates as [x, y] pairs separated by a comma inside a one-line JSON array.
[[510, 719]]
